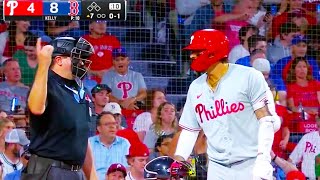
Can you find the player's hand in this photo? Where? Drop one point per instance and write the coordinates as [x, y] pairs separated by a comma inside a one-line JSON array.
[[262, 169], [44, 54], [180, 169]]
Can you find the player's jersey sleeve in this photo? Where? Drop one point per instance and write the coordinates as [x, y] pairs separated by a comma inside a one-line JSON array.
[[188, 119], [296, 155], [259, 93]]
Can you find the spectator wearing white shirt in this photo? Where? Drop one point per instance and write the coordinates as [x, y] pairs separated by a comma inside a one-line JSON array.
[[143, 121], [242, 50], [14, 140], [306, 151]]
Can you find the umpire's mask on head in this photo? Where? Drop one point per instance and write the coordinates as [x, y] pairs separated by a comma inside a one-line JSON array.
[[78, 50]]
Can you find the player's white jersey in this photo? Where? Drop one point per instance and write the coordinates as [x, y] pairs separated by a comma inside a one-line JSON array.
[[306, 151], [227, 115]]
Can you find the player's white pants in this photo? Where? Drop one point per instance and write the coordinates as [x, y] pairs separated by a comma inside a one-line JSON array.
[[241, 171]]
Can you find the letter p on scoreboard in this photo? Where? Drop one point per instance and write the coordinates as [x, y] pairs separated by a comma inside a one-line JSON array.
[[22, 9]]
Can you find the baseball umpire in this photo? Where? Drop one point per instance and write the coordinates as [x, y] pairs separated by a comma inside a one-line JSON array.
[[59, 113], [234, 106]]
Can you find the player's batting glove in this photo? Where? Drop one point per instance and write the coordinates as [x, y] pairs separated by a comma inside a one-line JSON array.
[[180, 169], [262, 169]]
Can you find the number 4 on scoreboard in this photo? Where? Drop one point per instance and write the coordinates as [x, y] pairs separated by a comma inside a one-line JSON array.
[[31, 8]]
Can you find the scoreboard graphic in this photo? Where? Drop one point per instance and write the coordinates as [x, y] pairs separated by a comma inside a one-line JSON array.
[[74, 10]]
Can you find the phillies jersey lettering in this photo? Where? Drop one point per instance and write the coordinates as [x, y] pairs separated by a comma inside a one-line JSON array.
[[221, 108], [226, 115], [306, 151], [124, 86]]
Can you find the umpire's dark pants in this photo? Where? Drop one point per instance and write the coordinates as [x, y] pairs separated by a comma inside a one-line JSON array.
[[40, 168]]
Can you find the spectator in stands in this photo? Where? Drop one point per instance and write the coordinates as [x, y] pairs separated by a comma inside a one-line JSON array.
[[306, 151], [313, 36], [27, 59], [17, 33], [279, 71], [116, 172], [161, 147], [262, 65], [100, 96], [242, 50], [128, 87], [6, 125], [231, 23], [302, 89], [166, 123], [13, 88], [317, 166], [103, 44], [280, 48], [108, 148], [143, 121], [11, 156], [295, 6], [254, 42], [261, 19], [24, 156], [137, 159], [63, 29], [255, 54], [115, 109], [3, 38]]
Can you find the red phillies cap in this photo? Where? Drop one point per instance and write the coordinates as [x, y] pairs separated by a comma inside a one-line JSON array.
[[138, 149], [117, 167], [295, 175]]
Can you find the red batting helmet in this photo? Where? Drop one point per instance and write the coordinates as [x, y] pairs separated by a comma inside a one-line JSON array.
[[213, 44]]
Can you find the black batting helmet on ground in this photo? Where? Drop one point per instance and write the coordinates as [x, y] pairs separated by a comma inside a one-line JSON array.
[[158, 168]]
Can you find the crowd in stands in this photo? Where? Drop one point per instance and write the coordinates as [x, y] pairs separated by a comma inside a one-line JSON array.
[[132, 124]]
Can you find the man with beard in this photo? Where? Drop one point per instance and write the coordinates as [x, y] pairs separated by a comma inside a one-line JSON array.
[[14, 141]]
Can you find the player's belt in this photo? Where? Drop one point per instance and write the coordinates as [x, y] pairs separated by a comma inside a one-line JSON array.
[[232, 164]]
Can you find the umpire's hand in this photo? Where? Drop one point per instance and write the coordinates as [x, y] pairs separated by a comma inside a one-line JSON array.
[[44, 54]]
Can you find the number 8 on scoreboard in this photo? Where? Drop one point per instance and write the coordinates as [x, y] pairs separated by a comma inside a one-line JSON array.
[[61, 8]]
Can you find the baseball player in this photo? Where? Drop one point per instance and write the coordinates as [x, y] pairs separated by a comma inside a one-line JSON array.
[[233, 106]]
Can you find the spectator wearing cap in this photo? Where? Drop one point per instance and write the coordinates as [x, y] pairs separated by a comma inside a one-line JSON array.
[[100, 97], [107, 147], [280, 70], [116, 172], [137, 159], [115, 109], [103, 44], [128, 87], [306, 151], [280, 47], [262, 65], [254, 42], [14, 140]]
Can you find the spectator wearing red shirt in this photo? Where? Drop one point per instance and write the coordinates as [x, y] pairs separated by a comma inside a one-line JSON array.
[[301, 87], [103, 45], [294, 5]]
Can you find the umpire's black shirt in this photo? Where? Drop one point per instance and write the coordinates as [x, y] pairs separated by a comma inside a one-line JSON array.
[[61, 132]]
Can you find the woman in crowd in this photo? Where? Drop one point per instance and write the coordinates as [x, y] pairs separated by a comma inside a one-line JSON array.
[[166, 123], [5, 126], [143, 121], [302, 89]]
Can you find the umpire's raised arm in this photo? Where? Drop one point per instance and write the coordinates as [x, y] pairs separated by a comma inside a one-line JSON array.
[[38, 93]]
